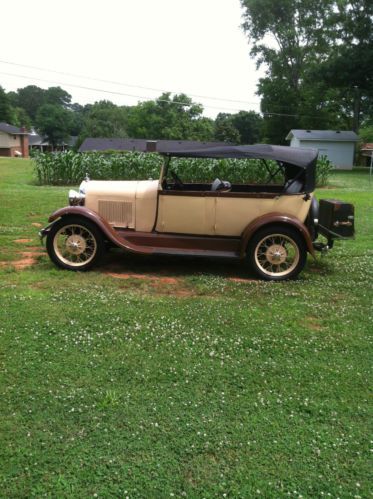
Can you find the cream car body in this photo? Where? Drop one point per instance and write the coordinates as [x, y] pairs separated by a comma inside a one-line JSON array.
[[271, 226]]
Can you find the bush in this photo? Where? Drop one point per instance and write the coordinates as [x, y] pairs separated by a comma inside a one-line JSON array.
[[323, 169], [69, 168]]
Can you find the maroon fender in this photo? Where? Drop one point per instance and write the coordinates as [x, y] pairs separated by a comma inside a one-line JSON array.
[[102, 224], [275, 218]]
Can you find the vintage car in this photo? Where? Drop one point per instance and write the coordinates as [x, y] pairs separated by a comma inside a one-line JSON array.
[[271, 227]]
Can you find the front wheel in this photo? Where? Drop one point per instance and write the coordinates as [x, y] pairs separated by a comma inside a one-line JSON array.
[[277, 253], [75, 244]]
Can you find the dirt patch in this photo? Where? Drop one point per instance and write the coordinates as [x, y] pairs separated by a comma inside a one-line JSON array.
[[313, 323], [22, 241], [161, 285], [27, 260], [36, 224], [143, 277]]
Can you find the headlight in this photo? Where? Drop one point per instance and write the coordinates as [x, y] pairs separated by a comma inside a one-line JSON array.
[[76, 198]]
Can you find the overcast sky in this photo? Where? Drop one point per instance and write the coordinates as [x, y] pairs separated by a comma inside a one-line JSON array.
[[191, 46]]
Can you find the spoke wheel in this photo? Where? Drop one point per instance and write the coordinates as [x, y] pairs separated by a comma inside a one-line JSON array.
[[277, 253], [75, 244]]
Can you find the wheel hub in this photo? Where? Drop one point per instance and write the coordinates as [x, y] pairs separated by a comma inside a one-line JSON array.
[[276, 254], [76, 244]]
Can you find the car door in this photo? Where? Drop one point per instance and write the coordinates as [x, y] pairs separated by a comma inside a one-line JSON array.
[[186, 212]]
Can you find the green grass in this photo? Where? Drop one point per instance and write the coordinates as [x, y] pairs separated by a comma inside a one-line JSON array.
[[202, 384]]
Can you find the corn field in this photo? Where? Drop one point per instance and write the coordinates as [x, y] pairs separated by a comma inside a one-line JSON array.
[[69, 168]]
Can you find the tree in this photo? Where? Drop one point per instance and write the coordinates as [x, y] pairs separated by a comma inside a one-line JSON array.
[[244, 127], [249, 126], [54, 122], [6, 111], [31, 98], [104, 119], [20, 118], [167, 117], [318, 53], [57, 96], [301, 39], [225, 129], [349, 67]]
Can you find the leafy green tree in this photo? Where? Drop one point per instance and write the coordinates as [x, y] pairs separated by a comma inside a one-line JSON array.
[[31, 98], [77, 119], [21, 118], [366, 134], [6, 111], [349, 67], [249, 126], [318, 53], [104, 119], [300, 41], [57, 96], [244, 127], [225, 130], [167, 117], [54, 122]]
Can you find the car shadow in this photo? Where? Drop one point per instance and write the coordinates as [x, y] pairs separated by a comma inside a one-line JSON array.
[[119, 261]]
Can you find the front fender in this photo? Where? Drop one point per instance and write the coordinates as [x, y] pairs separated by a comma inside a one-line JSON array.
[[271, 218], [101, 223]]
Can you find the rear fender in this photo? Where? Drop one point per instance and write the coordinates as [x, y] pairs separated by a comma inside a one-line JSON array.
[[275, 218]]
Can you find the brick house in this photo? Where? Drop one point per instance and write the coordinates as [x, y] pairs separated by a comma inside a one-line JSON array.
[[14, 141]]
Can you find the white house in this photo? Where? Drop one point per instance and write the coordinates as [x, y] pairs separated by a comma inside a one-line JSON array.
[[337, 146]]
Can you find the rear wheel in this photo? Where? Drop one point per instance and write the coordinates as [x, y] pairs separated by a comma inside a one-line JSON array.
[[277, 253], [75, 244]]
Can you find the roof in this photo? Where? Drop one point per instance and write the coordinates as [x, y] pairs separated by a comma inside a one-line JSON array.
[[367, 149], [13, 130], [323, 135], [37, 140], [140, 145], [301, 157], [297, 163]]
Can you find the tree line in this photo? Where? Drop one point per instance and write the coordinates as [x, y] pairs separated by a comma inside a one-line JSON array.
[[53, 114]]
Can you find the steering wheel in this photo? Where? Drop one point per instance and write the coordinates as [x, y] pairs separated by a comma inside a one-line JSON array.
[[177, 179]]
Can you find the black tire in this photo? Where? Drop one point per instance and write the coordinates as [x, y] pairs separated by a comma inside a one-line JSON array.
[[74, 243], [277, 253]]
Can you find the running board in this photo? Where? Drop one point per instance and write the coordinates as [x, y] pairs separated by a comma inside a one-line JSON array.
[[180, 244]]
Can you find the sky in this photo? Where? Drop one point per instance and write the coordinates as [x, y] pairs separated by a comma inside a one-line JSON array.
[[192, 46]]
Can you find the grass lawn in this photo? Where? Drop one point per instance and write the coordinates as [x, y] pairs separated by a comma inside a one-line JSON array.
[[179, 378]]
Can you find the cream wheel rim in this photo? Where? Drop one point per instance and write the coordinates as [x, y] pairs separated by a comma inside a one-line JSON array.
[[75, 245], [277, 255]]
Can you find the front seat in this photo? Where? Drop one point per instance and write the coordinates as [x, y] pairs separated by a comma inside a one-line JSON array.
[[293, 187], [220, 185]]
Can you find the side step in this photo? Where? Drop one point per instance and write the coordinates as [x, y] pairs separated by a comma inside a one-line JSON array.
[[180, 244]]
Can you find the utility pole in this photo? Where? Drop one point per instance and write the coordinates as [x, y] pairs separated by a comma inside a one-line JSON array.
[[356, 109]]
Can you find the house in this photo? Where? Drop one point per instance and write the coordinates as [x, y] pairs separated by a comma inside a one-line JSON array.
[[143, 145], [366, 154], [41, 144], [338, 146], [13, 141]]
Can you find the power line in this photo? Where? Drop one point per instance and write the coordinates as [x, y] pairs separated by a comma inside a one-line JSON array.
[[74, 75], [100, 90], [54, 82]]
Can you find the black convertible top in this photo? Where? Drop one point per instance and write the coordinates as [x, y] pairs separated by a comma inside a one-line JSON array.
[[298, 162], [297, 156]]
